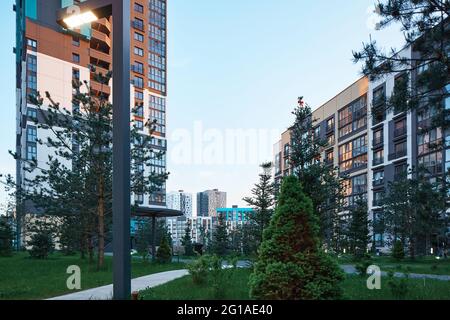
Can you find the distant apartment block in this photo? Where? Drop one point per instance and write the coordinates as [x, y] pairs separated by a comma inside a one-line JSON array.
[[180, 200], [209, 201], [235, 216]]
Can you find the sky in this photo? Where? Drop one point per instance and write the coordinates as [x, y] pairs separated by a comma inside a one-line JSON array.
[[235, 70]]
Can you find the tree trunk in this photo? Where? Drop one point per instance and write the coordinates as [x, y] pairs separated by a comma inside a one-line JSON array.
[[90, 249], [101, 224]]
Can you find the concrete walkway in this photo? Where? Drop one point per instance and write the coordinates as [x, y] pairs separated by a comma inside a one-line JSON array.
[[350, 269], [138, 284]]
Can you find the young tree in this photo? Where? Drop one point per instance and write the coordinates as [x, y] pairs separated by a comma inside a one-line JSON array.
[[262, 202], [77, 178], [220, 241], [291, 264], [164, 254], [413, 209], [6, 237], [358, 232], [320, 181], [142, 238], [186, 241]]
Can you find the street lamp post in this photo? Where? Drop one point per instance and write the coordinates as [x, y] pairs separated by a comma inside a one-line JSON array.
[[76, 16]]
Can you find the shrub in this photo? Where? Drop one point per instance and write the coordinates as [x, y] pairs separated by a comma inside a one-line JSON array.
[[399, 286], [199, 269], [164, 254], [362, 266], [41, 244], [291, 264], [398, 252], [6, 237]]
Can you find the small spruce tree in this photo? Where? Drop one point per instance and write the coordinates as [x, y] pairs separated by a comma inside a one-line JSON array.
[[291, 264], [6, 237], [164, 255], [220, 241]]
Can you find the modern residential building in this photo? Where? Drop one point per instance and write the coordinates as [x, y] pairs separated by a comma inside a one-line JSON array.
[[235, 216], [177, 228], [209, 201], [50, 57], [372, 144], [180, 200], [342, 121]]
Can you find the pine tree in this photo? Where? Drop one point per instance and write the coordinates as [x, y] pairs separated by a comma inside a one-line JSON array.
[[164, 255], [412, 210], [321, 182], [220, 240], [262, 202], [77, 179], [425, 25], [186, 241], [358, 234], [6, 237], [291, 264]]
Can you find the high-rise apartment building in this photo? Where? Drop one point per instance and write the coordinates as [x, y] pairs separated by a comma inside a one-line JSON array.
[[180, 200], [373, 145], [50, 57], [209, 201], [342, 121]]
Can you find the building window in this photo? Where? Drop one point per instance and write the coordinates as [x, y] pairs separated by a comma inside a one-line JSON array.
[[400, 171], [432, 162], [75, 41], [138, 37], [139, 95], [138, 24], [138, 8], [400, 150], [76, 57], [400, 128], [139, 110], [379, 105], [31, 152], [353, 117], [32, 44], [31, 134], [378, 198], [378, 137], [31, 76], [75, 73], [330, 124], [139, 124], [138, 51], [138, 67], [378, 178], [329, 158], [429, 141], [32, 113], [353, 154], [138, 82], [331, 140], [378, 157]]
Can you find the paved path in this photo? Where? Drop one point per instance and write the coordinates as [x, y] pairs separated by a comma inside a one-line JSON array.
[[350, 269], [106, 292]]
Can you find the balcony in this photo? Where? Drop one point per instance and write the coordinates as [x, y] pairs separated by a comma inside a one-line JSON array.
[[99, 87], [100, 36], [377, 161], [100, 56], [378, 183], [329, 162], [330, 129], [397, 155]]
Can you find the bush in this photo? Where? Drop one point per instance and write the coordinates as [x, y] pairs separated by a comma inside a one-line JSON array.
[[199, 269], [399, 286], [362, 266], [164, 254], [6, 237], [398, 252], [291, 264], [41, 244]]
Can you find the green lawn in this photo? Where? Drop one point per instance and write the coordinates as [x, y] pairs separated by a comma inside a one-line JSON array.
[[426, 265], [24, 278], [184, 289], [354, 289]]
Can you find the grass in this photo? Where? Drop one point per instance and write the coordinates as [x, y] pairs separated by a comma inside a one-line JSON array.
[[23, 278], [354, 287], [184, 289], [423, 265]]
